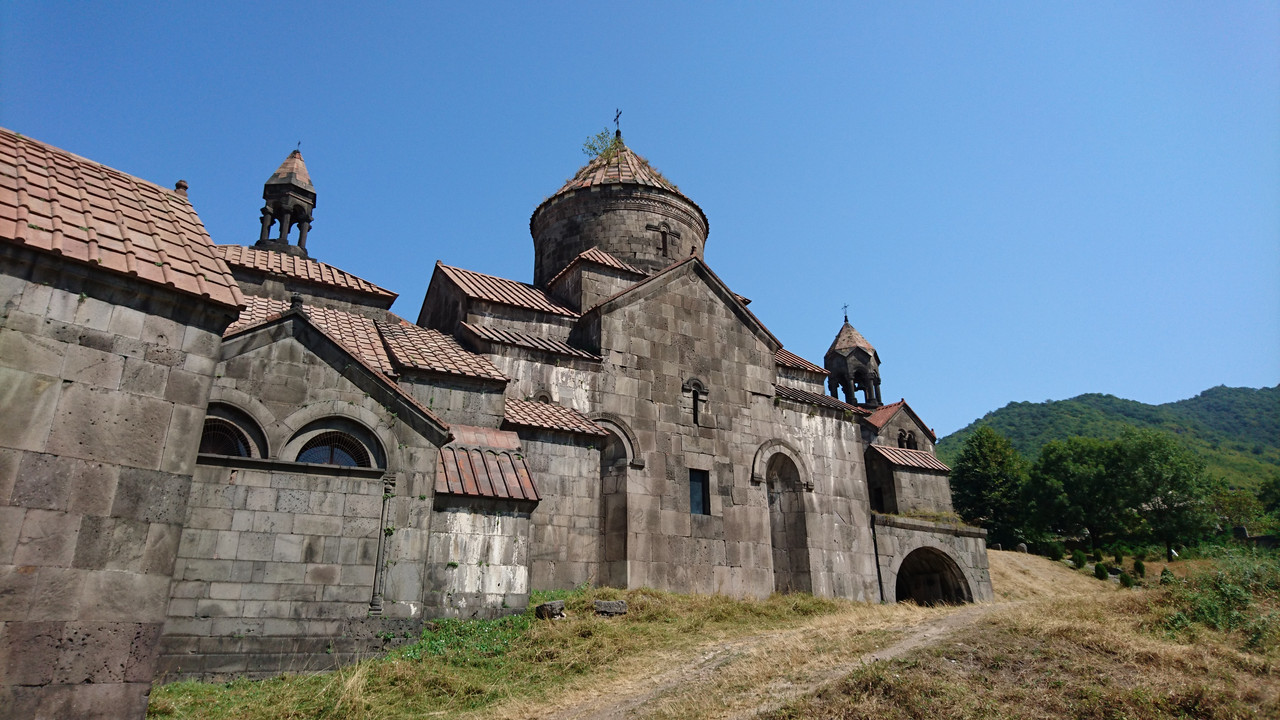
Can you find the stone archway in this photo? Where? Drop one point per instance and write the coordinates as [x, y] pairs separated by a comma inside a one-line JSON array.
[[788, 531], [928, 576], [613, 509]]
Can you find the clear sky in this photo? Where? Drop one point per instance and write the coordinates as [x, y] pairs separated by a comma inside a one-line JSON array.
[[1017, 201]]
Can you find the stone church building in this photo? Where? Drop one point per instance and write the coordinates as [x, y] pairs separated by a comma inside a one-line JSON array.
[[223, 459]]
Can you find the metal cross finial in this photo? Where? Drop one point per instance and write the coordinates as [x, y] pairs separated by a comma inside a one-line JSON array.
[[617, 115], [846, 312], [299, 145]]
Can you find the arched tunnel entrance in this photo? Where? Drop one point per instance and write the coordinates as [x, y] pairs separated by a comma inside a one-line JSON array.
[[929, 577]]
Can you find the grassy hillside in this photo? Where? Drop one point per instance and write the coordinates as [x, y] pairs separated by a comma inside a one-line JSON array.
[[1236, 430]]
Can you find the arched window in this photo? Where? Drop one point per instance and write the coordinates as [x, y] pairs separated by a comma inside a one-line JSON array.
[[334, 448], [230, 431], [911, 440], [336, 441], [698, 393], [221, 437], [902, 438]]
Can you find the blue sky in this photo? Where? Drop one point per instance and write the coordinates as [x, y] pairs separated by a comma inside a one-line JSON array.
[[1018, 201]]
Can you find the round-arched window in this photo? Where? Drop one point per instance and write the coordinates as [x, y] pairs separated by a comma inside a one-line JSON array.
[[335, 448], [222, 437]]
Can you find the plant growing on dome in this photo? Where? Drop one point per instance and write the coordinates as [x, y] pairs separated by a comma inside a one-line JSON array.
[[603, 143]]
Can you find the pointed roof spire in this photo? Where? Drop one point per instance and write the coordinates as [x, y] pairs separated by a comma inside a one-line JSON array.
[[293, 171], [848, 338]]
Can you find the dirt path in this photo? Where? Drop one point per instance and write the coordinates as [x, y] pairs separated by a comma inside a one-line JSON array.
[[742, 677]]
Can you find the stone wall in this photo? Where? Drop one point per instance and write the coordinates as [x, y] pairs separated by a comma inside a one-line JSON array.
[[565, 540], [615, 218], [103, 387], [965, 547], [279, 555], [478, 563]]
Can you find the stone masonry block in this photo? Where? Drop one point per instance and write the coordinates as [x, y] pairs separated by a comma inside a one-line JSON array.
[[47, 538], [38, 396]]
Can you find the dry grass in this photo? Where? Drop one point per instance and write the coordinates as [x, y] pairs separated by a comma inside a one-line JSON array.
[[1057, 643]]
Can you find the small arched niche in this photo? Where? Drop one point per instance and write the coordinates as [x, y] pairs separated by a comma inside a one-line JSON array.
[[929, 576]]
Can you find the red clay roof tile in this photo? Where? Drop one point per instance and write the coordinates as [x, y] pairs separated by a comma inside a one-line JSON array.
[[809, 398], [503, 291], [518, 339], [789, 359], [358, 334], [422, 348], [599, 257], [59, 203], [484, 472], [298, 268], [911, 458], [883, 413], [549, 416]]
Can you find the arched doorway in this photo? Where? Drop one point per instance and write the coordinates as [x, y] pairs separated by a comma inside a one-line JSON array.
[[613, 511], [787, 530], [928, 576]]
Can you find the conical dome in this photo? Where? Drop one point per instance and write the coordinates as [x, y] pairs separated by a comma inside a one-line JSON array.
[[293, 171], [622, 205], [849, 338]]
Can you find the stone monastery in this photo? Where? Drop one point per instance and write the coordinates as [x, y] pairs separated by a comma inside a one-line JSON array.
[[221, 460]]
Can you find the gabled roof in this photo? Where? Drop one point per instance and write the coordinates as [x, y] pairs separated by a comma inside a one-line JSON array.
[[502, 291], [883, 414], [62, 204], [804, 396], [293, 171], [786, 358], [533, 342], [903, 457], [549, 416], [694, 264], [420, 348], [386, 347], [297, 268], [354, 334], [484, 472], [848, 338], [596, 256]]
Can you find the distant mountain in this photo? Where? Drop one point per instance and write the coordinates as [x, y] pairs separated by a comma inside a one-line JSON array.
[[1236, 430]]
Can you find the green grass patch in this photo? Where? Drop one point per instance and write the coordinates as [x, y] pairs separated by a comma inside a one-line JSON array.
[[464, 665], [1239, 593]]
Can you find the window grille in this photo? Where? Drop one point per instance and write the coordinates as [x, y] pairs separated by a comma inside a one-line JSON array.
[[335, 448], [221, 437]]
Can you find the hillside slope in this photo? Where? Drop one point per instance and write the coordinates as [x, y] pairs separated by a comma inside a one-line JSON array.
[[1236, 430]]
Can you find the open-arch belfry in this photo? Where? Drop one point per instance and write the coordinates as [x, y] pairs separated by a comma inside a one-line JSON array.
[[265, 469]]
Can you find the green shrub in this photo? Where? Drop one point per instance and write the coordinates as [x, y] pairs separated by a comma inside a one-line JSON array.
[[1119, 557], [1056, 551], [1100, 571], [1126, 579], [1096, 556], [1078, 559], [1167, 577], [1139, 567], [1236, 594]]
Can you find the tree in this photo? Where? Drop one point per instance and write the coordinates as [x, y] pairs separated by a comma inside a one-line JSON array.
[[988, 484], [1075, 490], [1169, 485]]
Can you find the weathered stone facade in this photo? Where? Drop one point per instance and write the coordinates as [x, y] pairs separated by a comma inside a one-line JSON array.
[[237, 461]]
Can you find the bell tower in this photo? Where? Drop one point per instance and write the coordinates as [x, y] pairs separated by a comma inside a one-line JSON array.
[[290, 198], [854, 367]]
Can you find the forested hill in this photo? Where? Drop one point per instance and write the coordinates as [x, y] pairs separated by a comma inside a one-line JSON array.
[[1236, 430]]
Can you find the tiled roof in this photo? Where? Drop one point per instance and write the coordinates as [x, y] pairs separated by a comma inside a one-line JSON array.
[[293, 171], [883, 413], [826, 401], [618, 166], [484, 472], [911, 458], [297, 268], [503, 291], [510, 337], [849, 338], [549, 416], [426, 349], [599, 257], [357, 333], [59, 203], [789, 359]]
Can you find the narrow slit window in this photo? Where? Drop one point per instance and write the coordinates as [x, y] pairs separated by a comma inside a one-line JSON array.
[[699, 492]]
